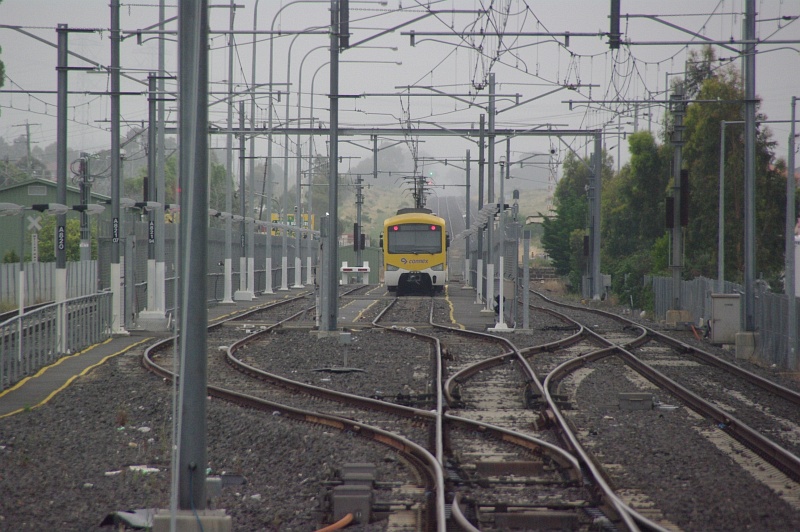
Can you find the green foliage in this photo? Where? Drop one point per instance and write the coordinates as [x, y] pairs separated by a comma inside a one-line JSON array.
[[10, 257], [47, 248], [702, 156], [563, 234], [572, 209], [634, 238], [627, 276], [634, 201], [134, 186], [659, 255], [10, 173]]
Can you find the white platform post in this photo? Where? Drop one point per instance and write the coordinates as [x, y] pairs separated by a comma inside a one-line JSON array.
[[268, 281], [489, 289], [501, 319], [298, 273], [251, 276], [242, 294], [479, 283], [284, 273]]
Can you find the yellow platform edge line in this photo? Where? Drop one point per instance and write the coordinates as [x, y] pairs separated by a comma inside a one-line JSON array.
[[69, 381], [452, 309]]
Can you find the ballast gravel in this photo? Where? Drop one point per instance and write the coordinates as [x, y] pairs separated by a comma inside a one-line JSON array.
[[69, 464], [103, 445]]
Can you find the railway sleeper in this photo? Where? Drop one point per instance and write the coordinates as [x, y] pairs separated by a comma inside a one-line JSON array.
[[424, 400], [562, 401], [528, 517]]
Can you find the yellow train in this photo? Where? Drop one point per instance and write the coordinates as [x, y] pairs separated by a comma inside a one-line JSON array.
[[414, 244]]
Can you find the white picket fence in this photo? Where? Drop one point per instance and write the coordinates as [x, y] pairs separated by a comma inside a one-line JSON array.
[[39, 285]]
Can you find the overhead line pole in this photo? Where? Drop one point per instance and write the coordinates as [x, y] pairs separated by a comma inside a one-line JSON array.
[[490, 164], [790, 288], [749, 165], [481, 175], [193, 175], [330, 286], [466, 220], [118, 320], [227, 281]]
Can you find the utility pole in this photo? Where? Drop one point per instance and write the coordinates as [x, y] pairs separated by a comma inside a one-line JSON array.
[[721, 213], [247, 233], [85, 188], [118, 325], [791, 219], [678, 109], [357, 232], [191, 460], [227, 289], [749, 165], [490, 227], [596, 287], [298, 219], [61, 166], [153, 318], [160, 284], [242, 294], [329, 289], [480, 287], [467, 259], [28, 164]]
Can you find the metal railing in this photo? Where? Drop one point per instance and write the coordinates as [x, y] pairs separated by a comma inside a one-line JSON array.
[[42, 336]]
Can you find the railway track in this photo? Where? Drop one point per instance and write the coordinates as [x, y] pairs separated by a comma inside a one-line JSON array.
[[518, 437], [697, 419], [239, 379]]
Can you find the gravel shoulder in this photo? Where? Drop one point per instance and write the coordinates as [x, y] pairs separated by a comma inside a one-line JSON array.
[[68, 464]]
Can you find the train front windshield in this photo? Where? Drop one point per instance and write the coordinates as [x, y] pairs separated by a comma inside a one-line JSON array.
[[415, 238]]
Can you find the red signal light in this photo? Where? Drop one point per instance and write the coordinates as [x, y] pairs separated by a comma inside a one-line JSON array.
[[433, 228], [395, 228]]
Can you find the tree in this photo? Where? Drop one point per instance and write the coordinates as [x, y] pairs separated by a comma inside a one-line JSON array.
[[47, 250], [633, 214], [10, 174], [701, 159], [634, 201], [563, 234], [134, 187]]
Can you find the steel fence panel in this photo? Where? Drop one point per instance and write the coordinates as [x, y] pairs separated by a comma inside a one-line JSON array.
[[770, 312], [31, 341]]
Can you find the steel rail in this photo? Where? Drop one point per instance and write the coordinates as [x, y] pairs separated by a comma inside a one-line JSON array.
[[324, 393], [418, 457], [440, 516], [764, 447], [610, 502]]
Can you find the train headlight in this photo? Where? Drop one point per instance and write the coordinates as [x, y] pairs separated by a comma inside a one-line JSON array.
[[438, 267], [391, 268]]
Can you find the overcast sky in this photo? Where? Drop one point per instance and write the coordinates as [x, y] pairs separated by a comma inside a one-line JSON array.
[[527, 66]]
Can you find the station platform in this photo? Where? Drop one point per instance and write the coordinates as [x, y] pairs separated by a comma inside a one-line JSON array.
[[38, 389], [465, 312]]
